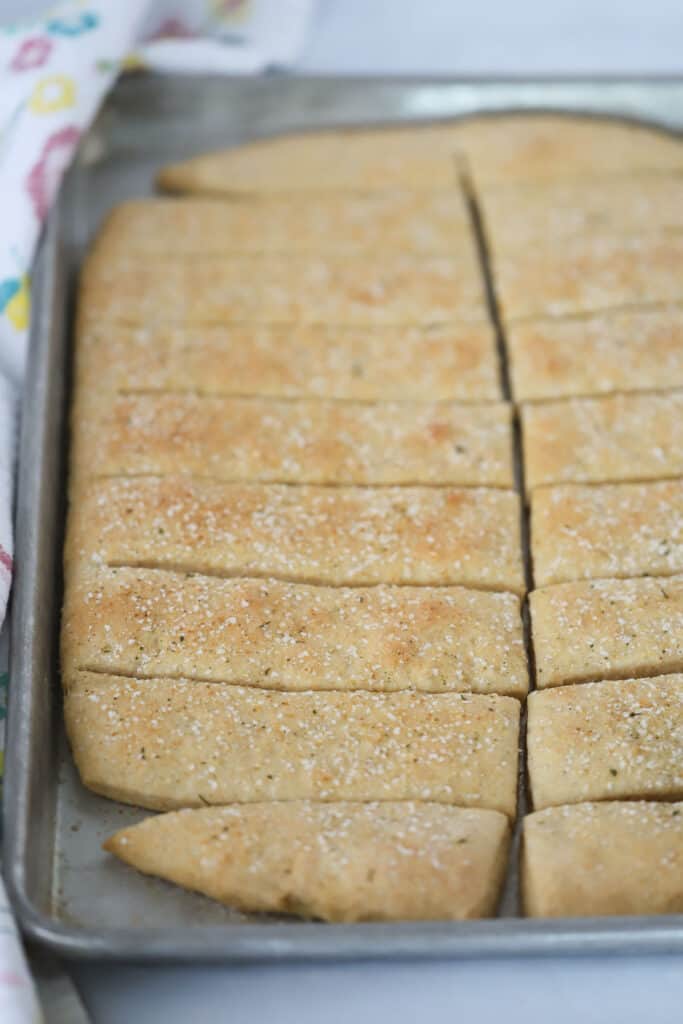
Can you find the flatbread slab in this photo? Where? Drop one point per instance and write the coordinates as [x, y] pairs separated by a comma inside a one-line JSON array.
[[607, 629], [337, 862], [606, 530], [526, 147], [391, 289], [619, 351], [595, 859], [587, 274], [547, 147], [289, 636], [438, 361], [306, 441], [330, 535], [603, 440], [354, 160], [410, 221], [550, 211], [167, 743], [621, 739]]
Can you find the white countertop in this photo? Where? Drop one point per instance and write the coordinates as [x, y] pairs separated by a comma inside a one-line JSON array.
[[437, 37]]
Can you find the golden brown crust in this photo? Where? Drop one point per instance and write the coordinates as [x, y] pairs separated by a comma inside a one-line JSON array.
[[602, 440], [607, 629], [550, 211], [286, 636], [338, 535], [165, 744], [619, 351], [411, 221], [593, 859], [606, 741], [357, 160], [438, 361], [297, 289], [608, 530], [338, 862], [305, 441], [546, 147], [587, 274], [524, 147], [311, 296]]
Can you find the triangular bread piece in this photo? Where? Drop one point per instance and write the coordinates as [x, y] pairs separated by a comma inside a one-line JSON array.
[[338, 862]]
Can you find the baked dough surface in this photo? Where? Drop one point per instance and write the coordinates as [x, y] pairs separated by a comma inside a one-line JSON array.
[[362, 290], [602, 440], [551, 211], [277, 506], [607, 629], [306, 441], [289, 636], [329, 535], [355, 160], [171, 743], [555, 147], [606, 530], [413, 221], [338, 862], [608, 740], [493, 149], [629, 350], [594, 859], [587, 274], [438, 361]]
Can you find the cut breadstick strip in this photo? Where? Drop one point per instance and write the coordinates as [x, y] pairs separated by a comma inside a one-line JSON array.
[[165, 744], [595, 859], [609, 530], [617, 351], [332, 535], [297, 289], [305, 441], [607, 629], [338, 862], [547, 147], [588, 274], [603, 440], [359, 160], [438, 361], [516, 214], [412, 221], [289, 636], [620, 739]]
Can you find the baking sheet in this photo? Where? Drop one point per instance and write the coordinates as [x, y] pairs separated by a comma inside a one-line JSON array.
[[68, 893]]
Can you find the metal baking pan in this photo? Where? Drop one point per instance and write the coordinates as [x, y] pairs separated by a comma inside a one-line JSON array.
[[67, 893]]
